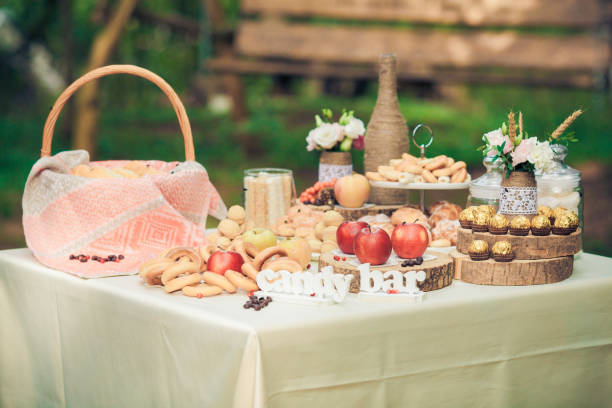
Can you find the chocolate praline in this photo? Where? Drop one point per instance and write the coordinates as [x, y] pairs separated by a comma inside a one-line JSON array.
[[520, 225], [487, 208], [479, 250], [574, 220], [466, 217], [558, 212], [540, 225], [502, 251], [498, 224], [547, 212], [481, 221], [562, 225]]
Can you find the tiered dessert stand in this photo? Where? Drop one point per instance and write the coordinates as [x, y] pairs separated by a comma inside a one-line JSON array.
[[537, 259], [422, 186]]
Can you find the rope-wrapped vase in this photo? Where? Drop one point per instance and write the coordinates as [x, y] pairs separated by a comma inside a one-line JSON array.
[[387, 134], [335, 165], [518, 195]]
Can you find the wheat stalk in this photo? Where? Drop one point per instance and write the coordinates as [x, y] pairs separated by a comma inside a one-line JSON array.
[[511, 128], [520, 123], [563, 126]]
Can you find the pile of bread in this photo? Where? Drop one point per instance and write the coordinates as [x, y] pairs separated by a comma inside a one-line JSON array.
[[132, 170], [317, 227], [410, 169], [232, 227], [442, 223]]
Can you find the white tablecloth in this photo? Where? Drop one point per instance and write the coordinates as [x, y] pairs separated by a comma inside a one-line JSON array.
[[113, 342]]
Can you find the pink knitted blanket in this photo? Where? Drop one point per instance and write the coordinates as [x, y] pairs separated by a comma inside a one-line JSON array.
[[65, 215]]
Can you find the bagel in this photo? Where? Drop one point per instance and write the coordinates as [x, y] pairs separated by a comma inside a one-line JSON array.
[[183, 267], [267, 253], [152, 273], [249, 270], [219, 280], [179, 283], [239, 280], [283, 263]]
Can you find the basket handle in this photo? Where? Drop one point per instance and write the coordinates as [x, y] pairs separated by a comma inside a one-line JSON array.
[[118, 69]]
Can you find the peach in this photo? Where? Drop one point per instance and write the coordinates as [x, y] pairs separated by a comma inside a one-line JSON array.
[[352, 191]]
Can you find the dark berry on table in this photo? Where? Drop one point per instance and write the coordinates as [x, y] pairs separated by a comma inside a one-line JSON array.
[[419, 260], [269, 299], [83, 259], [72, 257], [257, 307], [246, 306], [121, 257], [111, 257]]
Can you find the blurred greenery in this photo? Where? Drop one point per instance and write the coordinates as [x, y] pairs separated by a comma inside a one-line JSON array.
[[138, 123]]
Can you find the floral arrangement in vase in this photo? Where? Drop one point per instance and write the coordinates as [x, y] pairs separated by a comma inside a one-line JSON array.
[[341, 136]]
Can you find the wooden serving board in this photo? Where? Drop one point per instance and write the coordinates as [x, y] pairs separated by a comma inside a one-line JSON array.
[[354, 214], [439, 272], [515, 273], [527, 247]]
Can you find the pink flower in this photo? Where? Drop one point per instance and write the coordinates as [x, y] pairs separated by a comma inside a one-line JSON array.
[[359, 143], [497, 138], [522, 151]]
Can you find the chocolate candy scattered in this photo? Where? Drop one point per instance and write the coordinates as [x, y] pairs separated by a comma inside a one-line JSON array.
[[85, 258], [257, 303], [412, 262]]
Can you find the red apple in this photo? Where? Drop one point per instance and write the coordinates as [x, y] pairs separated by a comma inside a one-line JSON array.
[[346, 233], [409, 240], [221, 261], [372, 245]]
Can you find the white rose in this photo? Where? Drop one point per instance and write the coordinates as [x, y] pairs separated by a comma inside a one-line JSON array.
[[354, 128], [541, 156], [327, 135]]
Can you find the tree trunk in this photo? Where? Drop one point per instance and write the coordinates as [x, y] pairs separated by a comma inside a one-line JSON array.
[[86, 120]]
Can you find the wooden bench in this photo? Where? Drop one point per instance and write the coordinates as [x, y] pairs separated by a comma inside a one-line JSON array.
[[532, 42]]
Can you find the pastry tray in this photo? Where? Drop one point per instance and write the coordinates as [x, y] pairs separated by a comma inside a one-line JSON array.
[[421, 186]]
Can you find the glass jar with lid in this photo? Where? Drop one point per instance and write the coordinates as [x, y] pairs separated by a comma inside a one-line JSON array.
[[268, 194], [561, 186], [485, 189]]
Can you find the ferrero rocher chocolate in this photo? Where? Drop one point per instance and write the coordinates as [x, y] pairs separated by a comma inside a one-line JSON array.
[[520, 225], [481, 221], [502, 251], [466, 217], [479, 250], [546, 211], [575, 221], [498, 224], [562, 225], [487, 208], [558, 212], [540, 225]]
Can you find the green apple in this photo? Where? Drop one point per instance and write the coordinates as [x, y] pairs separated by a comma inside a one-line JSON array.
[[297, 249], [260, 237]]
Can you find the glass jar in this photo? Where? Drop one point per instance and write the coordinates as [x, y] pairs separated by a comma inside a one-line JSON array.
[[268, 194], [485, 189], [561, 185]]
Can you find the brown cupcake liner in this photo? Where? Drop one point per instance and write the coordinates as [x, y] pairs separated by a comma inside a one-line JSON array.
[[503, 258], [466, 224], [540, 232], [479, 256], [519, 232], [480, 228], [561, 231], [498, 231]]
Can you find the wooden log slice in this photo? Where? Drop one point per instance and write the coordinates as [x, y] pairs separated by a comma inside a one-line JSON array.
[[439, 272], [353, 214], [515, 273], [527, 247]]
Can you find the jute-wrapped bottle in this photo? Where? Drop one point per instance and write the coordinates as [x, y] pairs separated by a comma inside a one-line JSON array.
[[387, 134]]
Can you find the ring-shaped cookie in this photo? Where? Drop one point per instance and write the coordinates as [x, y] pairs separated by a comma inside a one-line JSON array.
[[240, 281], [283, 263], [219, 280], [179, 268], [179, 283], [202, 290], [249, 270], [267, 253]]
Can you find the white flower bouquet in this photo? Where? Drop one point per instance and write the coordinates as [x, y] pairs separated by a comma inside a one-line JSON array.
[[341, 136]]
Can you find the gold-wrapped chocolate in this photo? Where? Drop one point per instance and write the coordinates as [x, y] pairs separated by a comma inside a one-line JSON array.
[[488, 209], [501, 248], [558, 212], [574, 220], [466, 217], [479, 250], [562, 225], [498, 224], [546, 211], [481, 221], [520, 225], [540, 225], [502, 251]]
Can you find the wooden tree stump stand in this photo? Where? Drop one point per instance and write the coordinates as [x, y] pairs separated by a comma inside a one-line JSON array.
[[353, 214], [526, 247], [439, 272], [515, 273]]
